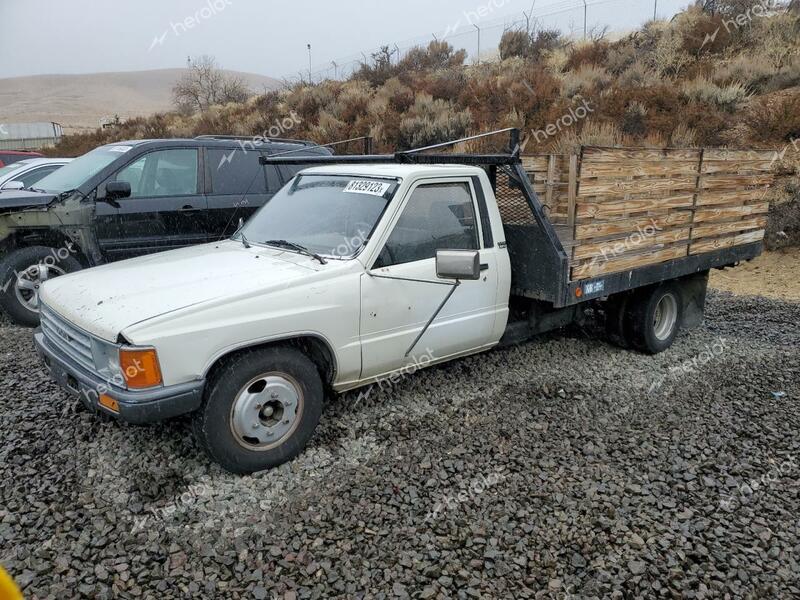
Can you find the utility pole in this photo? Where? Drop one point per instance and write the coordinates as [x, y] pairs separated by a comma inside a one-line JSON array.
[[335, 70], [478, 58], [655, 9], [584, 19], [310, 65]]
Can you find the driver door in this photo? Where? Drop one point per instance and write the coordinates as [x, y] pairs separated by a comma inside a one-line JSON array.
[[166, 209], [437, 215]]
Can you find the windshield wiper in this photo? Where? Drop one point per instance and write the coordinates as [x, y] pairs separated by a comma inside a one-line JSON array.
[[245, 243], [298, 248], [33, 189]]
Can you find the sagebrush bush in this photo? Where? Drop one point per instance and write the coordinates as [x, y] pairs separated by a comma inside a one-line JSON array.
[[431, 121], [728, 97], [586, 79], [754, 72]]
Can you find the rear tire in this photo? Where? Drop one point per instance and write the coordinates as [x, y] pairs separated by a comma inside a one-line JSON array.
[[654, 317], [260, 409], [22, 272]]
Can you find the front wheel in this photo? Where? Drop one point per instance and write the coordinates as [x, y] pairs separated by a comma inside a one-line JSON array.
[[23, 271], [654, 318], [260, 409]]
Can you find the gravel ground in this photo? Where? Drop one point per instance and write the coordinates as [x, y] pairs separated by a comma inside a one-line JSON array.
[[564, 468]]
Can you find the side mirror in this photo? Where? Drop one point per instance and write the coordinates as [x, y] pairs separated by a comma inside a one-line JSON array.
[[458, 264], [14, 185], [118, 189]]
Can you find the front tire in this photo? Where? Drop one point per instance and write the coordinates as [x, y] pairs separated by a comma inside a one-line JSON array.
[[22, 272], [261, 408]]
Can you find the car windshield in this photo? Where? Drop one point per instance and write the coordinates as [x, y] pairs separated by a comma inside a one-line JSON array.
[[331, 215], [76, 173]]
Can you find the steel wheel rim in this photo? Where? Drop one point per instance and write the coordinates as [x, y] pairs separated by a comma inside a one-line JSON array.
[[266, 411], [29, 281], [666, 317]]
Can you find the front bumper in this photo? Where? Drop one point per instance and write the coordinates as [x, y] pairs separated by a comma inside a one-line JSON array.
[[139, 407]]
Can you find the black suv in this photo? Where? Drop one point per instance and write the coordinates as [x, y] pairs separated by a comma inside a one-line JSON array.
[[133, 198]]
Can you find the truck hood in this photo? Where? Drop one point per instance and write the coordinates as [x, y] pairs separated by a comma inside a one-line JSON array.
[[13, 200], [106, 300]]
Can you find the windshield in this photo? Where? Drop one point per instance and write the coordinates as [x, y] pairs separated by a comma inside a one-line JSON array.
[[5, 171], [76, 173], [330, 215]]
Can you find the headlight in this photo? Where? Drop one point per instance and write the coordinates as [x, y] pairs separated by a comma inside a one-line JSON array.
[[139, 367], [106, 361]]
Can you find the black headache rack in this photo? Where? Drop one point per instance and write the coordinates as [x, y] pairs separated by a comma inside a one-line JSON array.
[[540, 266]]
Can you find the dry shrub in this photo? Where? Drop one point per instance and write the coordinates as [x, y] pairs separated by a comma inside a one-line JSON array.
[[532, 44], [728, 97], [353, 101], [786, 77], [431, 121], [633, 120], [778, 37], [584, 80], [774, 118], [556, 60], [638, 75], [592, 134], [683, 136], [587, 54], [621, 56], [751, 71]]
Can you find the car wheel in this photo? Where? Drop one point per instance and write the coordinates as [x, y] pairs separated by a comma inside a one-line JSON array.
[[22, 272], [260, 409], [654, 318]]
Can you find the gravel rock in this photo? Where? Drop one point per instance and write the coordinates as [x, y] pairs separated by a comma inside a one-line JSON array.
[[565, 467]]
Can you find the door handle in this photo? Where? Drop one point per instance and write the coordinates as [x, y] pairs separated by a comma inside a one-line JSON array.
[[188, 207], [484, 267]]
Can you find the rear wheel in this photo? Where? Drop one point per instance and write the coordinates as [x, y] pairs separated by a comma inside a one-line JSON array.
[[260, 409], [22, 273], [654, 317]]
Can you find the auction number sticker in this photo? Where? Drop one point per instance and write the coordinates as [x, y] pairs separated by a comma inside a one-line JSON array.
[[121, 149], [373, 188]]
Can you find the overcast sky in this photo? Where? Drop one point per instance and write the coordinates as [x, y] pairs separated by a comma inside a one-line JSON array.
[[266, 36]]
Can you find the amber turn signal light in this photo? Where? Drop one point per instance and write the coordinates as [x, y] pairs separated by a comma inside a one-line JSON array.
[[140, 367], [109, 403]]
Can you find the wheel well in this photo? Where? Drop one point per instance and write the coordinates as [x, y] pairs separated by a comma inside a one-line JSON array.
[[313, 347], [44, 237]]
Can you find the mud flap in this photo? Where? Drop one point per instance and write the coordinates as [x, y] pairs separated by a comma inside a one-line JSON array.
[[693, 295]]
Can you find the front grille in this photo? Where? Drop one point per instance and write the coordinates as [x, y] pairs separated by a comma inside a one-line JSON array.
[[73, 342]]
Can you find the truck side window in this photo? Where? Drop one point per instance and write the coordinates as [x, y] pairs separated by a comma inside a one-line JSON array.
[[438, 216], [162, 173]]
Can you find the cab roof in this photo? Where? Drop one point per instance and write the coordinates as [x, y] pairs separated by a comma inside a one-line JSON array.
[[398, 171]]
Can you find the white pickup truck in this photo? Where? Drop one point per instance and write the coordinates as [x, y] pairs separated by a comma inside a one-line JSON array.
[[350, 274]]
